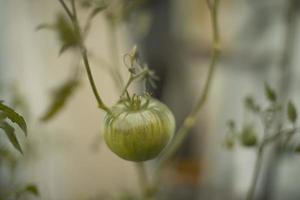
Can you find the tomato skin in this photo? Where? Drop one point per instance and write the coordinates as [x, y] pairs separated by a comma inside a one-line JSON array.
[[139, 134]]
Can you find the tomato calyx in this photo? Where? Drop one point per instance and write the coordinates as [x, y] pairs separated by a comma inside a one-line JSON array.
[[137, 102]]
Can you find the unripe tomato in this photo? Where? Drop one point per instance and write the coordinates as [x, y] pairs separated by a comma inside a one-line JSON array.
[[138, 129]]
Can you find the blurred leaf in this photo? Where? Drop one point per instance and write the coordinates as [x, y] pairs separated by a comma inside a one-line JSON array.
[[7, 156], [14, 117], [292, 112], [31, 188], [10, 133], [251, 104], [297, 149], [248, 136], [2, 116], [126, 196], [93, 3], [91, 16], [85, 3], [66, 33], [45, 26], [229, 141], [97, 10], [64, 48], [60, 97], [270, 93], [231, 124]]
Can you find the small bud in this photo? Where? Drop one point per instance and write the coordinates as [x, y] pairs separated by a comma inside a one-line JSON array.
[[248, 137], [292, 112], [134, 53], [231, 124], [270, 93]]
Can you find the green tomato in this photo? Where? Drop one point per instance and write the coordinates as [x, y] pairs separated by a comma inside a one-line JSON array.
[[138, 129]]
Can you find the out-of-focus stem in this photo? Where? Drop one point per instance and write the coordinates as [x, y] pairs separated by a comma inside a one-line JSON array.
[[258, 164], [144, 182], [73, 16], [191, 119]]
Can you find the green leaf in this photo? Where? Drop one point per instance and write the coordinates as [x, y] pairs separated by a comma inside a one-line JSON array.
[[270, 93], [60, 97], [33, 189], [292, 112], [14, 117], [65, 31], [10, 133]]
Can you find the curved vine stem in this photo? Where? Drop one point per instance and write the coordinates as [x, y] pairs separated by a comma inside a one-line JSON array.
[[192, 117], [73, 16]]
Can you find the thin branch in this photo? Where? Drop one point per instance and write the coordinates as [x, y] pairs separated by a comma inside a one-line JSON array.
[[258, 164], [192, 117], [73, 16], [66, 8]]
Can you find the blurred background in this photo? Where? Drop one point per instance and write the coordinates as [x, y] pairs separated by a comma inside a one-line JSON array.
[[66, 158]]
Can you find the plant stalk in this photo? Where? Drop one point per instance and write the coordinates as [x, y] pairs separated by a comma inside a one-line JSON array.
[[73, 16], [258, 164], [191, 119], [143, 180]]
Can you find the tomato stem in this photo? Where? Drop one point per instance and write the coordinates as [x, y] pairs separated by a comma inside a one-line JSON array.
[[147, 194], [191, 119], [73, 16]]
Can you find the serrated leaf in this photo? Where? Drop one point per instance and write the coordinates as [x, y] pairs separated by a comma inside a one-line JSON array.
[[14, 117], [292, 112], [270, 93], [60, 97], [31, 188], [10, 133]]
